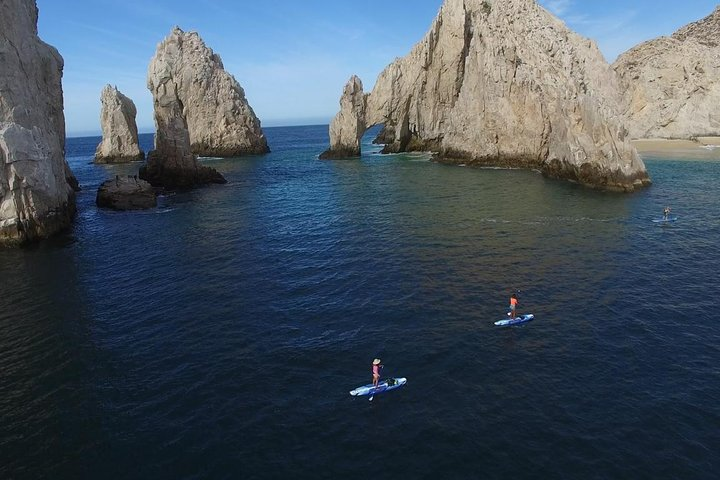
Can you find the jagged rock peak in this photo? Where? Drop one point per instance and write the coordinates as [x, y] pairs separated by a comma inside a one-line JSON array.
[[671, 85], [504, 82], [219, 117], [119, 130], [705, 31], [172, 164], [37, 197], [348, 126]]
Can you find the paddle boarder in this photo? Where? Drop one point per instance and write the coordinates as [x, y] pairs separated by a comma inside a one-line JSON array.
[[376, 366], [513, 306], [666, 213]]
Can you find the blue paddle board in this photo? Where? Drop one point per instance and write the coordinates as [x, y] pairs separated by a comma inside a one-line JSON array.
[[665, 220], [384, 386], [515, 321]]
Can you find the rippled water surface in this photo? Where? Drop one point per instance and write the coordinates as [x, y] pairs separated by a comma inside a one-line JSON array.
[[218, 336]]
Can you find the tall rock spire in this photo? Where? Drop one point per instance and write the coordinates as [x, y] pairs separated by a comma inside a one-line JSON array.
[[348, 125], [220, 120], [119, 130], [172, 164]]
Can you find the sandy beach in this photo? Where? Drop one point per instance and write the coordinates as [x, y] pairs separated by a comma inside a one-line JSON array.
[[701, 148]]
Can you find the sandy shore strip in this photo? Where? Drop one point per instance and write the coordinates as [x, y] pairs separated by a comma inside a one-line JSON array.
[[702, 148]]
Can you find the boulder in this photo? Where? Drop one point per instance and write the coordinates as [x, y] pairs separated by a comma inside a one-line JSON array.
[[126, 193], [119, 130], [504, 82], [671, 84], [37, 188]]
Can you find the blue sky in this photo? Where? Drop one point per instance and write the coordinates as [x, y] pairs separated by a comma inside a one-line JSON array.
[[291, 57]]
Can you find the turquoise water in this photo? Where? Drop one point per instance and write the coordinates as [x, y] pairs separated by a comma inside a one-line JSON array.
[[219, 335]]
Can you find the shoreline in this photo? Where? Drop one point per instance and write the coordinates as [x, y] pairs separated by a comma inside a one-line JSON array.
[[705, 148]]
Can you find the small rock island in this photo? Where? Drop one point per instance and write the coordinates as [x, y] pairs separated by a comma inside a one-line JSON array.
[[126, 193]]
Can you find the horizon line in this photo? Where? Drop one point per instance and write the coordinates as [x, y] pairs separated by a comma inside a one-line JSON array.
[[98, 133]]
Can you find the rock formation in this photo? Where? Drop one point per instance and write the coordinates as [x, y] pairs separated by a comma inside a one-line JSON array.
[[126, 193], [37, 197], [219, 118], [672, 84], [503, 82], [348, 126], [119, 130], [172, 164]]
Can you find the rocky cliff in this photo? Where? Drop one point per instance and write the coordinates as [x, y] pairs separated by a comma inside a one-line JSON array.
[[172, 164], [220, 120], [672, 84], [36, 186], [503, 82], [119, 130]]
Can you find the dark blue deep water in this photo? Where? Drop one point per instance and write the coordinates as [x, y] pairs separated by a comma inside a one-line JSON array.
[[218, 336]]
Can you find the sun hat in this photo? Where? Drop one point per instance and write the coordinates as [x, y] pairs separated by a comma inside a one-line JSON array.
[[376, 361]]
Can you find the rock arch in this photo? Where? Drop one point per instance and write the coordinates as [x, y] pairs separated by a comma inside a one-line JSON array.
[[499, 82]]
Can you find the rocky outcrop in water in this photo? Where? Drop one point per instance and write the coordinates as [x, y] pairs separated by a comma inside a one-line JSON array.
[[220, 120], [348, 126], [504, 82], [672, 84], [126, 193], [172, 164], [37, 197], [119, 130]]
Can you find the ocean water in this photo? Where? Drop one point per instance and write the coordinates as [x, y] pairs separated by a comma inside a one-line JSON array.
[[218, 336]]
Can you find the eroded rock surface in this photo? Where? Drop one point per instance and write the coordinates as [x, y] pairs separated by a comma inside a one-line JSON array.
[[37, 197], [172, 164], [672, 84], [348, 126], [504, 82], [219, 118], [119, 129]]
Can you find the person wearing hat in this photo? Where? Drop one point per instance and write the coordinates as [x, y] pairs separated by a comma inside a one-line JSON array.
[[376, 366]]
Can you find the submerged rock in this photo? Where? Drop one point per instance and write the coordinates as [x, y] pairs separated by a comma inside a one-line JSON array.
[[172, 164], [672, 84], [119, 130], [126, 193], [37, 197], [219, 118], [504, 82]]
